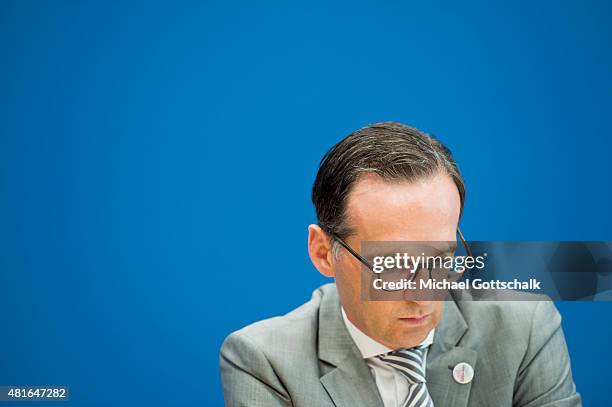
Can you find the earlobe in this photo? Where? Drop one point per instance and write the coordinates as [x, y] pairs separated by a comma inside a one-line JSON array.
[[319, 250]]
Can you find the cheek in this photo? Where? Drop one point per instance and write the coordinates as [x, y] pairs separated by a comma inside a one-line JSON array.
[[379, 315], [437, 313], [348, 280]]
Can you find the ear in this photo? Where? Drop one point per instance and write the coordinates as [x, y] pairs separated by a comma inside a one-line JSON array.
[[320, 251]]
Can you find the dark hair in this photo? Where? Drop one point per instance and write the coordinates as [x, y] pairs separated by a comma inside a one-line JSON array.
[[391, 150]]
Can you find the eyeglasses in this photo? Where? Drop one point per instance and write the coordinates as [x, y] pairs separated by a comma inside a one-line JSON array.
[[393, 276]]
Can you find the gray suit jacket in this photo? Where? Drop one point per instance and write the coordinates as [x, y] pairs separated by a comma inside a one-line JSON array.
[[307, 358]]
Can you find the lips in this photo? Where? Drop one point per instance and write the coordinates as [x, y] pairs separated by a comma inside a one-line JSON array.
[[415, 321]]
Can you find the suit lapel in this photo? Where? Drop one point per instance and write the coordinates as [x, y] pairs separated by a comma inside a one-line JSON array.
[[351, 384], [347, 380], [444, 355]]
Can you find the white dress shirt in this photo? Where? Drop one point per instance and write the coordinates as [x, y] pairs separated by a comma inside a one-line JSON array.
[[392, 385]]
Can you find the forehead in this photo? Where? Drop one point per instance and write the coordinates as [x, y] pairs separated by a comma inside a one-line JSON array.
[[426, 209]]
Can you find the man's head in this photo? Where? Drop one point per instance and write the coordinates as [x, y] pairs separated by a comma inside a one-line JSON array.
[[384, 182]]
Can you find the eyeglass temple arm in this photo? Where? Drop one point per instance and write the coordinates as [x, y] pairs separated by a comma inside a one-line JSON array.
[[353, 252], [466, 246]]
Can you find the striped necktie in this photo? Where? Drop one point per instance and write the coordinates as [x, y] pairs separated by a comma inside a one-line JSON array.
[[410, 363]]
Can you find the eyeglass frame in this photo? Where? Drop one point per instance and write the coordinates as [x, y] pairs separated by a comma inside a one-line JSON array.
[[370, 267]]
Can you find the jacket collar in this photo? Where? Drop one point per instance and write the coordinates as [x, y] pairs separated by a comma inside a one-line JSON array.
[[335, 343]]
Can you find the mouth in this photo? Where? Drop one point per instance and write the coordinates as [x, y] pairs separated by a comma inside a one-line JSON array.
[[415, 321]]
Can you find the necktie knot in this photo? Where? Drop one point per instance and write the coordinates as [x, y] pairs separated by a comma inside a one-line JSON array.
[[408, 361]]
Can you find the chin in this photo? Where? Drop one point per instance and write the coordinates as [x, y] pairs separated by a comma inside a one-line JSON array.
[[409, 337]]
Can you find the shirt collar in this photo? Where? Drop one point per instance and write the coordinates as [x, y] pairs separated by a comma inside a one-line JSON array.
[[368, 346]]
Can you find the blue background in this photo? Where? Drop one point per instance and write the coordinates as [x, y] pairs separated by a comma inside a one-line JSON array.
[[152, 152]]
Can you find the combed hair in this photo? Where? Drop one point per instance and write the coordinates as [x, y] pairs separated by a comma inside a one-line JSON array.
[[391, 150]]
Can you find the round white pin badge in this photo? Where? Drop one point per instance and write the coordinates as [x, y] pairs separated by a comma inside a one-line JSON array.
[[463, 373]]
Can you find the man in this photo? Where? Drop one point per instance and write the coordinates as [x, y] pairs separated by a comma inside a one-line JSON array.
[[391, 182]]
